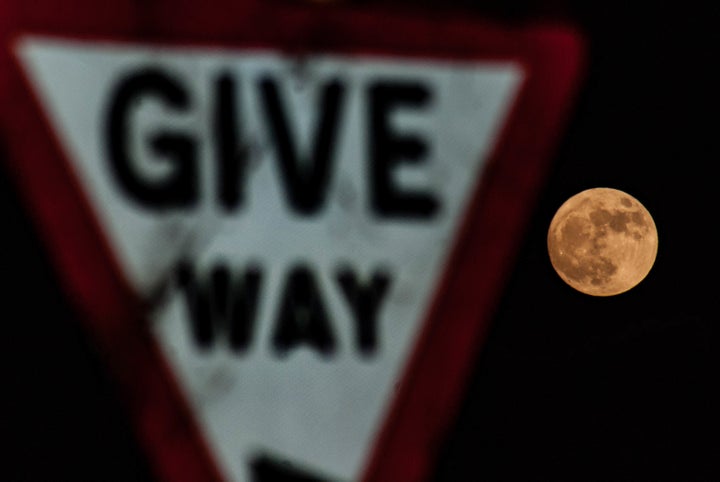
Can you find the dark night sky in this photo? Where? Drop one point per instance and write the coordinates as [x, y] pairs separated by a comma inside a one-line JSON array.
[[572, 387], [567, 387]]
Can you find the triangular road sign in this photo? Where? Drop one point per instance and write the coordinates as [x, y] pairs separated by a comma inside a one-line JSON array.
[[286, 228]]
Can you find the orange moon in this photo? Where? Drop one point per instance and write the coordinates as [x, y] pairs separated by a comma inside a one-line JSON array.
[[602, 242]]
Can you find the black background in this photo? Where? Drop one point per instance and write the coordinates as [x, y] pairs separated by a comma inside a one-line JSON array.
[[568, 387]]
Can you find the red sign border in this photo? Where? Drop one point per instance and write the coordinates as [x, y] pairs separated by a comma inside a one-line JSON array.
[[428, 396]]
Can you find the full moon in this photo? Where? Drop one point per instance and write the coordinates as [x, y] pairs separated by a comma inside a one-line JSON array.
[[602, 242]]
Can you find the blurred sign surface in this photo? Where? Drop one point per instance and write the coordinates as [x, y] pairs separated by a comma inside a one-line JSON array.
[[288, 253]]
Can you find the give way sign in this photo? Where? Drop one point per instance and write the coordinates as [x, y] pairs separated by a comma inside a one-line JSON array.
[[285, 227]]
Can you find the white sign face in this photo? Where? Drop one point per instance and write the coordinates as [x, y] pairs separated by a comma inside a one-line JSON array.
[[291, 217]]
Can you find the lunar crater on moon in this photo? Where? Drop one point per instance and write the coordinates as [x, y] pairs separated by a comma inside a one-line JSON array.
[[602, 242]]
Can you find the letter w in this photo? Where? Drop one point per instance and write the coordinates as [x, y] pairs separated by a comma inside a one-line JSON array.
[[217, 303]]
